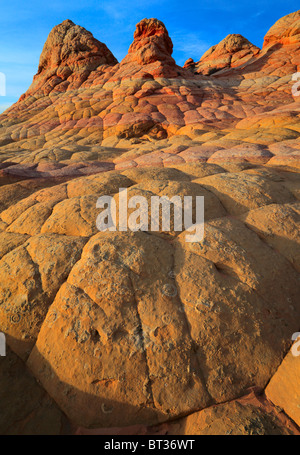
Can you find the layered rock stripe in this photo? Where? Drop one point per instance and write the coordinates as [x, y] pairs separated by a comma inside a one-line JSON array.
[[119, 329]]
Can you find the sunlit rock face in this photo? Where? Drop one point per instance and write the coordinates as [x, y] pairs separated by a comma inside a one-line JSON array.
[[82, 102], [69, 55], [233, 51], [141, 328], [285, 31]]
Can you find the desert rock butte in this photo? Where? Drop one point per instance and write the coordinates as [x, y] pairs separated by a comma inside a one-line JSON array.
[[142, 332]]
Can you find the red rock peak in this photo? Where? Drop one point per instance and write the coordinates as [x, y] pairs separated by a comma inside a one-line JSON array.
[[151, 43]]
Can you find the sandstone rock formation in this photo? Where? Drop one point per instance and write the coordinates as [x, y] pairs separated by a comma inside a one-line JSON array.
[[285, 31], [139, 329], [250, 415], [151, 43], [69, 55], [233, 51]]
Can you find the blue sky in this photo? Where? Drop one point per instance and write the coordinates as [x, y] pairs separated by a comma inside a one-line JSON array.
[[193, 25]]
